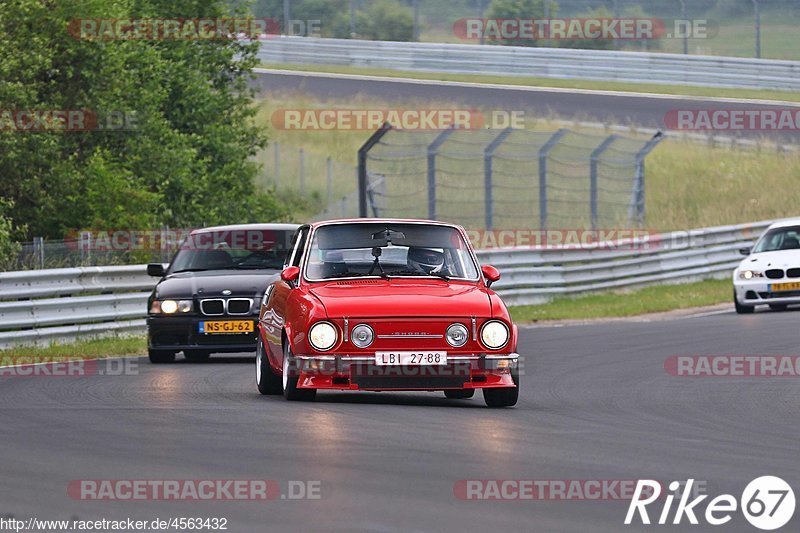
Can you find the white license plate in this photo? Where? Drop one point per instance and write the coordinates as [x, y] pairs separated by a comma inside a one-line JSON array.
[[410, 358]]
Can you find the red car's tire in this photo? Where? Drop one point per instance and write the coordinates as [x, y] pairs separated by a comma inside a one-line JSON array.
[[266, 380], [289, 380], [503, 397], [459, 394]]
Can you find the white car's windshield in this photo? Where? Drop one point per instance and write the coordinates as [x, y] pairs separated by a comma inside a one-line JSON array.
[[389, 250], [787, 238]]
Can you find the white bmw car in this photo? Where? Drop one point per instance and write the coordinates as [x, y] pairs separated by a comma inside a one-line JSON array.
[[770, 274]]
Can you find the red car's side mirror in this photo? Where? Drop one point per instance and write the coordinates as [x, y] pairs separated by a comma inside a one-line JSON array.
[[491, 274], [290, 274]]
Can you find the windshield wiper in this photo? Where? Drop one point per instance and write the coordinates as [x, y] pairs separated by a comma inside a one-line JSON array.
[[188, 270]]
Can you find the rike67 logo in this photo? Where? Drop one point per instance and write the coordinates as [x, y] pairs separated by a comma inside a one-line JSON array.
[[767, 503]]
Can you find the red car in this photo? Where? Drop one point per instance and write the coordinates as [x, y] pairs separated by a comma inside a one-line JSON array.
[[373, 304]]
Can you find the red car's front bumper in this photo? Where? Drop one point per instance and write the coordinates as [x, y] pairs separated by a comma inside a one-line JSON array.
[[342, 372]]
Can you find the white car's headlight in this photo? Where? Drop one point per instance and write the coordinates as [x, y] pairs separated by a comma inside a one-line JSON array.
[[362, 335], [170, 307], [457, 335], [322, 336], [494, 334], [750, 274]]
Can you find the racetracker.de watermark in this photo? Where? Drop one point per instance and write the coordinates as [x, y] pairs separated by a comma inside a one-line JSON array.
[[544, 489], [173, 29], [733, 366], [28, 366], [194, 489], [787, 119], [66, 120], [430, 119], [603, 29]]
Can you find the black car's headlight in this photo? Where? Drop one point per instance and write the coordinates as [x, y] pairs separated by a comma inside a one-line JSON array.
[[170, 307]]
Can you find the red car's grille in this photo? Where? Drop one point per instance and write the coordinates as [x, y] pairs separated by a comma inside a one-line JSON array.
[[417, 334]]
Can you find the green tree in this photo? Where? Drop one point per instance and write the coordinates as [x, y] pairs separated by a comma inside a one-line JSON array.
[[521, 9], [381, 20], [187, 159]]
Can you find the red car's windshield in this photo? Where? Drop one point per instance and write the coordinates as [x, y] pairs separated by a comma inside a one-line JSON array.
[[389, 250]]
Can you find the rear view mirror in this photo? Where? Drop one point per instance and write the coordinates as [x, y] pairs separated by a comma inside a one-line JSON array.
[[156, 270], [290, 274], [491, 274]]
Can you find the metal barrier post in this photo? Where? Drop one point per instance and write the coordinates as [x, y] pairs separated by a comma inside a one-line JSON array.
[[544, 152], [488, 154], [362, 167], [637, 207], [433, 148], [38, 253], [595, 159]]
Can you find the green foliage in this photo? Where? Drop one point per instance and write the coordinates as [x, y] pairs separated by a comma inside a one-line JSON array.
[[9, 248], [521, 9], [380, 20], [185, 159]]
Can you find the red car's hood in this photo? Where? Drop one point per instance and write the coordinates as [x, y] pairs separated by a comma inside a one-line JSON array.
[[402, 298]]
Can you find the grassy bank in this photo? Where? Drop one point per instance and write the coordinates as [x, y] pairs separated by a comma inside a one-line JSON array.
[[628, 303], [92, 348]]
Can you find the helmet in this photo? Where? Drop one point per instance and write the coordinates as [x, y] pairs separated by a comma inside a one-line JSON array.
[[424, 259]]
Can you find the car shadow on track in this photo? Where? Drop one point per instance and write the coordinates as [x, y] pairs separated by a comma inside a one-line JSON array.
[[419, 399]]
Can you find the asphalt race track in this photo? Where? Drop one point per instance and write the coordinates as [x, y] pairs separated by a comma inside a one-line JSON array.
[[600, 106], [596, 403]]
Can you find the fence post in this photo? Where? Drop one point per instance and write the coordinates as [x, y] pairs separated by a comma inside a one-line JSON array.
[[433, 148], [85, 245], [276, 159], [544, 152], [685, 36], [488, 154], [637, 207], [362, 167], [595, 159], [329, 176], [38, 253], [757, 10], [302, 165]]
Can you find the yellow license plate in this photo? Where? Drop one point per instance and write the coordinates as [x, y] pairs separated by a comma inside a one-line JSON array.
[[226, 326], [793, 286]]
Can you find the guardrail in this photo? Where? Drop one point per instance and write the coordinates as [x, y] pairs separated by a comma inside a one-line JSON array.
[[45, 306], [64, 304], [602, 65]]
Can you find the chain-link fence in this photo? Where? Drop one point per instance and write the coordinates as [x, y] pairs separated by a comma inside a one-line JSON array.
[[497, 179]]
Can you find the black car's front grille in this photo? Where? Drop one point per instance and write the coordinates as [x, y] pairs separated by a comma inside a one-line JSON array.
[[215, 307], [239, 306], [774, 273], [793, 273]]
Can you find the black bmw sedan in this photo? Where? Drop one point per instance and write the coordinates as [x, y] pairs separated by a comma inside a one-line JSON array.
[[208, 299]]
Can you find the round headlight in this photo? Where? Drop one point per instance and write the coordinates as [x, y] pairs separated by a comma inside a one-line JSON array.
[[362, 335], [169, 306], [747, 274], [322, 336], [494, 334], [457, 335]]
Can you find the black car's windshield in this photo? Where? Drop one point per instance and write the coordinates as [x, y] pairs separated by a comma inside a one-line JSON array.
[[246, 249], [389, 250], [787, 238]]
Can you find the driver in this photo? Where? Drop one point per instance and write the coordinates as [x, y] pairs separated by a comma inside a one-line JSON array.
[[424, 260]]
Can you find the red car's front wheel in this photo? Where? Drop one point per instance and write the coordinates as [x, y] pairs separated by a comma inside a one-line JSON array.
[[290, 377], [503, 397]]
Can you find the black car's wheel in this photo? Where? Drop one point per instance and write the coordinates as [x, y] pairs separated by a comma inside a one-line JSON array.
[[742, 309], [266, 380], [504, 397], [459, 394], [778, 307], [289, 380], [196, 355], [161, 356]]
